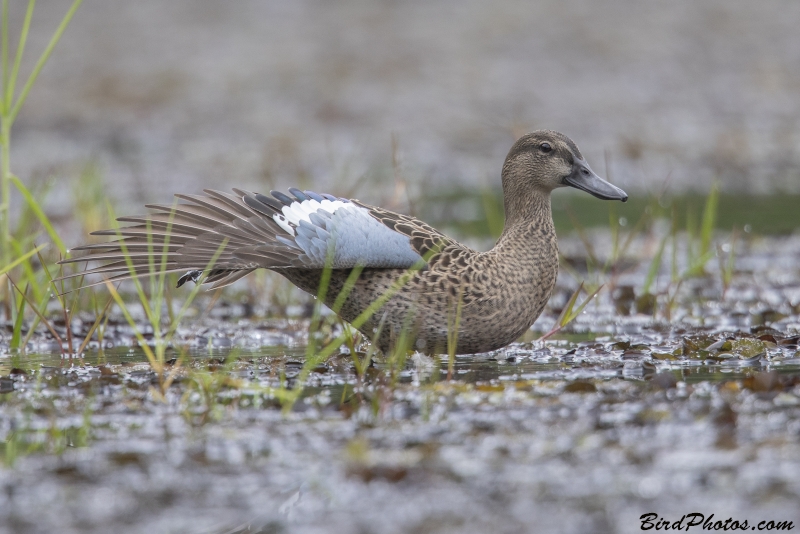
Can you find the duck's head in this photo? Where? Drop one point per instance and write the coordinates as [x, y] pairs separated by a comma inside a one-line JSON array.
[[546, 160]]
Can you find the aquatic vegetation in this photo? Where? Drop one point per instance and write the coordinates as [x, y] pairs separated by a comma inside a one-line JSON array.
[[616, 414], [255, 407], [18, 241], [569, 313]]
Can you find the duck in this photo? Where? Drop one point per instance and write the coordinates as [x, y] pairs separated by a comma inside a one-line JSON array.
[[392, 276]]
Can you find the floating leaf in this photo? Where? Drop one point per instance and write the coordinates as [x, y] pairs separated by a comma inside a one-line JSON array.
[[748, 347]]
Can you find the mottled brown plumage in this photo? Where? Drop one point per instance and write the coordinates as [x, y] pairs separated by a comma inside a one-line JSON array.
[[481, 300]]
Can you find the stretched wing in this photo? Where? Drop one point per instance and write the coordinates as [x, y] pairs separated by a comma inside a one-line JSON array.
[[423, 238], [228, 236], [324, 229]]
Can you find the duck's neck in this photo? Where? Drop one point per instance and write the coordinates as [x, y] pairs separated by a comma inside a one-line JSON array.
[[528, 218]]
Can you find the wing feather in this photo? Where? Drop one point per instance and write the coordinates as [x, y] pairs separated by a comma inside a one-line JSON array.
[[244, 231]]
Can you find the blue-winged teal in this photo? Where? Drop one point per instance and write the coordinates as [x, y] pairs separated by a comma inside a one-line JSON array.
[[493, 297]]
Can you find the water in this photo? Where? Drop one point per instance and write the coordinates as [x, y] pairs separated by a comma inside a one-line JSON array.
[[623, 414]]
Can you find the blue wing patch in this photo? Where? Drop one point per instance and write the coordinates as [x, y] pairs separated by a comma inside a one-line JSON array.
[[354, 237]]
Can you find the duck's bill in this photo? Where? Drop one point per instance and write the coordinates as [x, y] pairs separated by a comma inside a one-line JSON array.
[[585, 179]]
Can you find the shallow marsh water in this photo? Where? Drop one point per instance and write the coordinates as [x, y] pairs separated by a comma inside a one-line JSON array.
[[624, 414]]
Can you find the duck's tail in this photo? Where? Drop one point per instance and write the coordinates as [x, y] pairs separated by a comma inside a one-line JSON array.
[[197, 238]]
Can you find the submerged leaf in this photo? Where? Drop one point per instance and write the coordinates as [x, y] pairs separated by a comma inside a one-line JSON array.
[[748, 347]]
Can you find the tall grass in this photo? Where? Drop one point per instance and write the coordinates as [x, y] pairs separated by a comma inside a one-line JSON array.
[[10, 105], [18, 246]]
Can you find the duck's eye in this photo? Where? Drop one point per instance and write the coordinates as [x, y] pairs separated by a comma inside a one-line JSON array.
[[545, 147]]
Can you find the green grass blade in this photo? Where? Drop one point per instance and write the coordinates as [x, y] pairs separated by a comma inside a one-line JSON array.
[[28, 273], [50, 280], [4, 60], [349, 284], [132, 270], [388, 294], [21, 259], [709, 219], [96, 323], [452, 336], [42, 60], [11, 86], [195, 291], [17, 332], [698, 267], [40, 214], [563, 318], [655, 266], [36, 320], [151, 357], [39, 313], [691, 236], [583, 304], [312, 357], [571, 317], [674, 238]]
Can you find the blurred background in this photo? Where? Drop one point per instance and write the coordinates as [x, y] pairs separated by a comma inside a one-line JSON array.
[[120, 411], [402, 102]]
